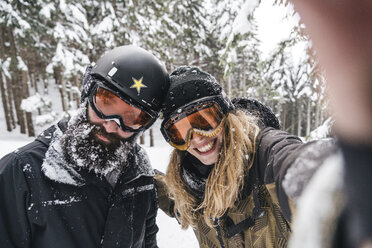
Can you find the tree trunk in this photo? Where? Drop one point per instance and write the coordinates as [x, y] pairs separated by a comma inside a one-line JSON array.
[[171, 58], [317, 114], [10, 102], [17, 97], [30, 125], [32, 71], [76, 95], [64, 94], [308, 117], [26, 94], [16, 82], [5, 104], [284, 116], [46, 84], [3, 86], [244, 80], [57, 71], [151, 138], [142, 139], [293, 119], [228, 86], [36, 80], [321, 113], [70, 94], [299, 117]]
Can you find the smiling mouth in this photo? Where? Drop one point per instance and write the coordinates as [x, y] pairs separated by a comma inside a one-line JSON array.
[[209, 147]]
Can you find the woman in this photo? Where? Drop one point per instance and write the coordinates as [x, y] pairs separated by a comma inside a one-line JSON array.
[[225, 175]]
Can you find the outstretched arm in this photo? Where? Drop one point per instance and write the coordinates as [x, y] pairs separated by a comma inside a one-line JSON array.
[[341, 31]]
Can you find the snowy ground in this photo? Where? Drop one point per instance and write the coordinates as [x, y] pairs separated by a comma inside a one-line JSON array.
[[170, 233]]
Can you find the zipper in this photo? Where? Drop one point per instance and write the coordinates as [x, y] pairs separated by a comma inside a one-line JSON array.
[[218, 232]]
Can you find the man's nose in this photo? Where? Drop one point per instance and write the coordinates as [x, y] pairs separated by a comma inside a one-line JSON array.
[[110, 126]]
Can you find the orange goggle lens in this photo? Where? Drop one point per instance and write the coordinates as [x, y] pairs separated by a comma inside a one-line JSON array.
[[111, 106], [204, 120]]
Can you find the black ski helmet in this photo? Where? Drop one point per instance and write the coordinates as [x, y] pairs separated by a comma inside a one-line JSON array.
[[135, 74]]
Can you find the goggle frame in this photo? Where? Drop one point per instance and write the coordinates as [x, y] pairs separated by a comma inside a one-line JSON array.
[[118, 118], [222, 105]]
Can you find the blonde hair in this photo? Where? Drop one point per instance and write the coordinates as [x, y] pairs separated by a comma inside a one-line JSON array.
[[226, 179]]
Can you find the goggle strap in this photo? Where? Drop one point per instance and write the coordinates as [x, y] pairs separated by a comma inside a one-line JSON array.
[[212, 134]]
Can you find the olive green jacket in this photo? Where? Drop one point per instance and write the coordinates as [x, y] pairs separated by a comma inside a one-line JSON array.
[[243, 225]]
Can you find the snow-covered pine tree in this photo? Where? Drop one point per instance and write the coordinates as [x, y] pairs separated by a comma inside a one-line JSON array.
[[17, 22], [241, 56], [70, 42]]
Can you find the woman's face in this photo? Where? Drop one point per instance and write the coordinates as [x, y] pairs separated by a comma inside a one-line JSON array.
[[206, 149]]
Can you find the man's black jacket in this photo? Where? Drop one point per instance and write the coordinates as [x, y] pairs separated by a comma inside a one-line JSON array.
[[36, 211]]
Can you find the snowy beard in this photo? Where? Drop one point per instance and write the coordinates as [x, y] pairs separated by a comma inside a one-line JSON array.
[[82, 149]]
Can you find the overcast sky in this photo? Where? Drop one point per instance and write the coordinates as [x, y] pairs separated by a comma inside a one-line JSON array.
[[273, 26]]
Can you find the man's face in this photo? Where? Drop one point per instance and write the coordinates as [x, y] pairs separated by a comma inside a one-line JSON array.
[[110, 132], [90, 143]]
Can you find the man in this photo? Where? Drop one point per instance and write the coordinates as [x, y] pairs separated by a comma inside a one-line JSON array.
[[85, 182]]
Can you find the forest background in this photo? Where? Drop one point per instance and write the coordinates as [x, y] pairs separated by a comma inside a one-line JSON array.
[[45, 46]]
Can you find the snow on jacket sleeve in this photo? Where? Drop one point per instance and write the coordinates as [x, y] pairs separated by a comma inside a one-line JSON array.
[[283, 159], [14, 199]]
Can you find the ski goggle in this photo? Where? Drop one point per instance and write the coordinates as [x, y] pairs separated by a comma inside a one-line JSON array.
[[205, 119], [110, 107]]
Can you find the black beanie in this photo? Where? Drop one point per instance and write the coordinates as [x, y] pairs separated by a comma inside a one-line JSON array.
[[188, 84], [266, 117]]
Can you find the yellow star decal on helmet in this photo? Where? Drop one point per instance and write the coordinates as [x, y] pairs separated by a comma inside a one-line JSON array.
[[138, 84]]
